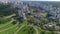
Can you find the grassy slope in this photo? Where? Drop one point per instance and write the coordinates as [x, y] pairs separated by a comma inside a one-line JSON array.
[[24, 32], [10, 30]]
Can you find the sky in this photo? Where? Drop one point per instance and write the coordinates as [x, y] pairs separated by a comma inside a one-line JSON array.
[[28, 0], [41, 0]]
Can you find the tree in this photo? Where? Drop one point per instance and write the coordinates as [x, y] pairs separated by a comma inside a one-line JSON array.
[[31, 20], [14, 22]]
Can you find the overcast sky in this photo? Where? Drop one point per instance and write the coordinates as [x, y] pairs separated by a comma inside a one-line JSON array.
[[41, 0], [28, 0]]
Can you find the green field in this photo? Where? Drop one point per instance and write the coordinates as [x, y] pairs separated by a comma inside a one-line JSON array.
[[10, 27], [13, 24]]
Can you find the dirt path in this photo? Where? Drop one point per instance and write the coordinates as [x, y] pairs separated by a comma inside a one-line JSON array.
[[10, 16], [9, 28], [34, 29], [19, 29], [7, 23]]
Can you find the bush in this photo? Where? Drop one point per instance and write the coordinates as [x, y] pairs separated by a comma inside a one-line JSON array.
[[14, 22], [3, 21]]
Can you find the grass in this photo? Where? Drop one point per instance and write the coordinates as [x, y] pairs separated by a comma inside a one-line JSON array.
[[41, 31], [25, 30], [6, 22], [10, 30], [44, 14], [9, 25], [3, 25], [6, 26]]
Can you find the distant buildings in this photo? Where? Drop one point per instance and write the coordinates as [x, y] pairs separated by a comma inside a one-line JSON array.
[[24, 8]]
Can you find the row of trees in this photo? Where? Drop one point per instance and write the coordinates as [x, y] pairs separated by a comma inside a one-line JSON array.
[[5, 9], [29, 30], [3, 20]]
